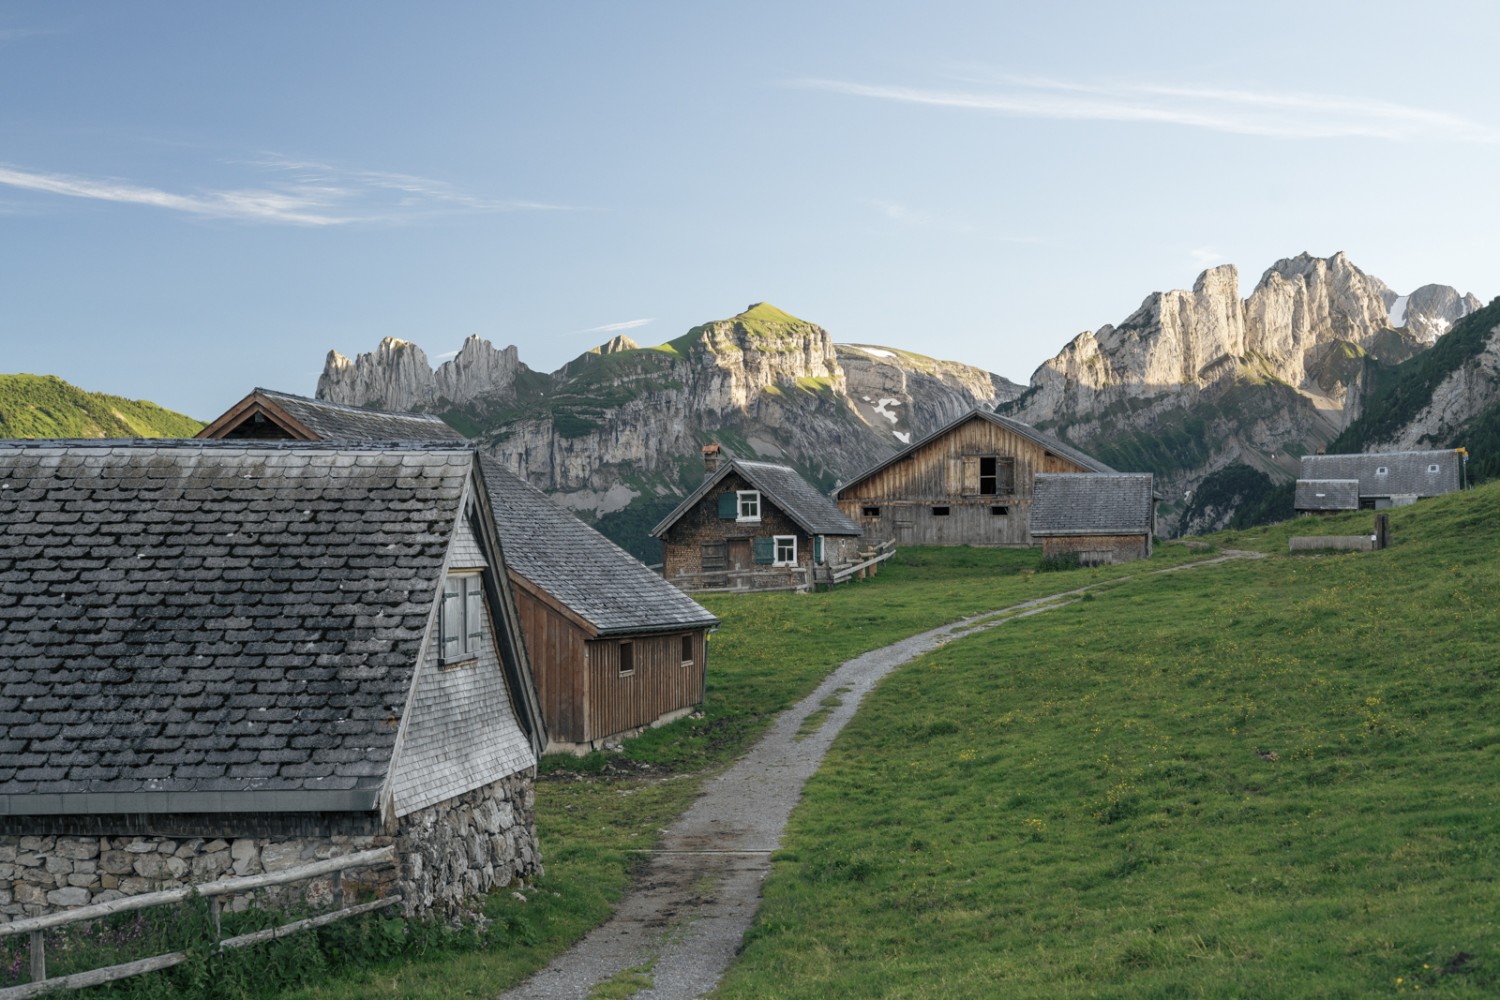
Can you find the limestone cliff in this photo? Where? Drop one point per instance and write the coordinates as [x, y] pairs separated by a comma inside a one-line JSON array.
[[397, 376]]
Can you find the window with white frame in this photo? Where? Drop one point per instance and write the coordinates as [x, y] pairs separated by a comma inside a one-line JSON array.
[[461, 618], [749, 505], [786, 550]]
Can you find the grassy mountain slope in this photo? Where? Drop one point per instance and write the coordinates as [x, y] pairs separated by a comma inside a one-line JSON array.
[[44, 406], [1268, 778], [1395, 396]]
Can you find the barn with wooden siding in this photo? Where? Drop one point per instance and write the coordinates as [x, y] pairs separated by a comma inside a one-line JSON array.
[[1380, 479], [614, 648], [969, 483], [754, 526], [1094, 518]]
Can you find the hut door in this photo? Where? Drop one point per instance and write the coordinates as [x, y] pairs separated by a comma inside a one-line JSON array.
[[739, 553]]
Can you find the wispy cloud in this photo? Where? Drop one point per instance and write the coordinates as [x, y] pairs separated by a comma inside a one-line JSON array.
[[1244, 112], [303, 194], [629, 324], [18, 34], [1205, 256]]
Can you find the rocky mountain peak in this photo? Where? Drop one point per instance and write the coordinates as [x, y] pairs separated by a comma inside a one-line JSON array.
[[398, 376]]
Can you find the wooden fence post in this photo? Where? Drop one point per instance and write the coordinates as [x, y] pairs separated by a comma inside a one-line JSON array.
[[1382, 530], [38, 957]]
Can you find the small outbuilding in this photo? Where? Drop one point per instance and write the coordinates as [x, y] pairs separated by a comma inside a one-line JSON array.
[[754, 526], [968, 483], [1097, 518], [614, 647], [1380, 480], [222, 658]]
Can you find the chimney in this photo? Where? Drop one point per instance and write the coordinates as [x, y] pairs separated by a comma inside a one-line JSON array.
[[711, 458]]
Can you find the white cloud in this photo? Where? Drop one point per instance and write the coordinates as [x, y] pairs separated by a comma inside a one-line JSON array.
[[629, 324], [1205, 256], [1244, 112], [307, 194]]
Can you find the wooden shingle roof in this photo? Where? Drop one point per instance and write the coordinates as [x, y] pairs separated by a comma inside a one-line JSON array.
[[812, 511], [593, 577], [1327, 494], [308, 419], [1092, 504], [1392, 473], [209, 627]]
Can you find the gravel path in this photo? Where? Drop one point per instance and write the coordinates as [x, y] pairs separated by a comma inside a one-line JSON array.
[[680, 924]]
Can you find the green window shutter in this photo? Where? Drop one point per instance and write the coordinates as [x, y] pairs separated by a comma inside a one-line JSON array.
[[729, 506], [765, 551]]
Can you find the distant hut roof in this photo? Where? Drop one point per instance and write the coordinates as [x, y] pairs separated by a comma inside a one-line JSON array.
[[595, 578], [1092, 504], [1030, 433], [1327, 494], [1391, 473], [810, 510], [200, 626], [310, 419]]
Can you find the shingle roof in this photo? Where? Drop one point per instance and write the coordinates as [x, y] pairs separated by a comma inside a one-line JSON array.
[[578, 566], [1327, 494], [812, 511], [1091, 504], [1046, 441], [189, 623], [339, 422], [1407, 473]]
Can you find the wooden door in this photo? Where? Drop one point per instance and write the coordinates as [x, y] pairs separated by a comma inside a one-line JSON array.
[[739, 554]]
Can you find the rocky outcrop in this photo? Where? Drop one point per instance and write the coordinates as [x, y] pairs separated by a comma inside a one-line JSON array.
[[478, 372], [1430, 311], [397, 376], [900, 392]]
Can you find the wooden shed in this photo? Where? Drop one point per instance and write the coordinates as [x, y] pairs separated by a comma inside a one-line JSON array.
[[614, 647], [969, 483], [1096, 518], [1378, 480], [754, 526]]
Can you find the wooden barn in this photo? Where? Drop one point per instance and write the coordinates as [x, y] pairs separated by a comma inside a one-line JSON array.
[[754, 526], [1378, 480], [228, 658], [614, 648], [1096, 518], [969, 483]]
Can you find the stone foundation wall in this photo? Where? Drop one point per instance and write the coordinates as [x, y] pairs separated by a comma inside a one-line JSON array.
[[448, 853]]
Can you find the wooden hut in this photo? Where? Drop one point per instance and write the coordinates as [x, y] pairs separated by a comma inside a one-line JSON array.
[[1095, 518], [1377, 480], [754, 526], [969, 483]]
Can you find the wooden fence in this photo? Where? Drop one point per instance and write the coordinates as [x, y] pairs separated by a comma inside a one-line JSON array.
[[214, 891], [869, 559]]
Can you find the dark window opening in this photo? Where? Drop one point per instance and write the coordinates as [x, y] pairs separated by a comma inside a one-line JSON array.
[[987, 479], [687, 651], [869, 511], [940, 512], [999, 511], [627, 659]]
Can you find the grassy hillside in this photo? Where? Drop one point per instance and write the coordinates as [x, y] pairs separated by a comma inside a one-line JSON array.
[[44, 406], [1272, 778]]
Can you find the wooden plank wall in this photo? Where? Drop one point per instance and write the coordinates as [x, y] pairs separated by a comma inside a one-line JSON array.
[[557, 650], [907, 491], [682, 544], [661, 684], [1121, 548]]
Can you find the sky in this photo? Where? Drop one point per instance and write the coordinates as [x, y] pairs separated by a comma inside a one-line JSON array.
[[197, 199]]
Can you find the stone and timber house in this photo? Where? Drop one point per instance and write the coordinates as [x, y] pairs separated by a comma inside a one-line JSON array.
[[223, 658], [613, 646], [754, 526], [1096, 518], [967, 483], [1378, 480]]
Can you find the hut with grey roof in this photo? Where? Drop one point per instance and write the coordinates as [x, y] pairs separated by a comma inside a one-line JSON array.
[[753, 526], [1378, 480], [614, 648], [222, 658], [1095, 518]]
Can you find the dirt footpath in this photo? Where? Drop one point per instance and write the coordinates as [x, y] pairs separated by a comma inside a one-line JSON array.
[[678, 927]]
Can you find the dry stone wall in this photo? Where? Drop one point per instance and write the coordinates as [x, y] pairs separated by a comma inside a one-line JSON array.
[[449, 853]]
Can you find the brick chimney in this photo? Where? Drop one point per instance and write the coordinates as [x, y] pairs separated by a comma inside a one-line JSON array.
[[711, 458]]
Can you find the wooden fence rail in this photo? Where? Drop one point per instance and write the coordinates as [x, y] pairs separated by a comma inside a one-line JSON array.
[[873, 557], [214, 891]]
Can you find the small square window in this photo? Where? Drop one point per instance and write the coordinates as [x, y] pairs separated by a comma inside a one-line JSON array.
[[461, 617], [627, 659], [868, 511], [1382, 471], [1432, 468], [786, 550], [999, 511], [749, 505], [940, 512]]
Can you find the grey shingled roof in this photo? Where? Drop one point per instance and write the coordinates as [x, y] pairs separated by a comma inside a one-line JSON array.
[[1091, 504], [338, 422], [1327, 494], [582, 569], [812, 511], [1407, 472], [208, 626], [1046, 441]]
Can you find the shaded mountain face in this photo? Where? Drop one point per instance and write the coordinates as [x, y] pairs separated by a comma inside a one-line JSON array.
[[623, 426], [1196, 381]]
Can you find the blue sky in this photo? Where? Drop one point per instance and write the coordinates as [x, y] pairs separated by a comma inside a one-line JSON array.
[[199, 198]]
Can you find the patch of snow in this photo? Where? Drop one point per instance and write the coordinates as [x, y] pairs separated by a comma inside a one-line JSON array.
[[880, 408], [617, 497], [1398, 312], [873, 350], [903, 436]]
